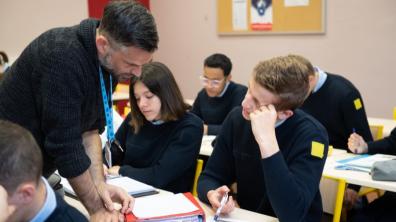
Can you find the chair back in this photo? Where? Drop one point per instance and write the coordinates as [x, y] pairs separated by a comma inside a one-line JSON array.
[[394, 113], [377, 131], [198, 170]]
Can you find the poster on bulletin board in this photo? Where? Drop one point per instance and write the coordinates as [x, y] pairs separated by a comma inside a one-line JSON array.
[[251, 17]]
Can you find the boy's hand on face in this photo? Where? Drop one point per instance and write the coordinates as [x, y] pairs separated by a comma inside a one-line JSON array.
[[263, 127]]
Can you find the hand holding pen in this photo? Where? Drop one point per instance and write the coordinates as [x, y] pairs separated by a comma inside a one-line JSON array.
[[356, 144], [215, 197], [223, 201]]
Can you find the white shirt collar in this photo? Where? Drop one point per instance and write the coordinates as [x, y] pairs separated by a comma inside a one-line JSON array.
[[224, 90], [49, 204], [157, 122], [322, 76]]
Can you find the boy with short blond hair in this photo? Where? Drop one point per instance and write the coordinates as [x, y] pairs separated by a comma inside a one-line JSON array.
[[273, 151]]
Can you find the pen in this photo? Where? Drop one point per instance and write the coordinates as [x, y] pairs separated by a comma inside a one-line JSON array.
[[222, 203], [110, 176]]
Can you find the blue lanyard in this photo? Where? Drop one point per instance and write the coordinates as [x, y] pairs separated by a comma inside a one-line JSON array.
[[108, 110]]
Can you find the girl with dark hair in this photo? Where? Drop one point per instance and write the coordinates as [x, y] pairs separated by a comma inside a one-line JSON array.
[[160, 137]]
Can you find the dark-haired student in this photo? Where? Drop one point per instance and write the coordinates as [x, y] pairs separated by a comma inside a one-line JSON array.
[[54, 90], [20, 169], [219, 95], [337, 104], [381, 209], [160, 137], [272, 150]]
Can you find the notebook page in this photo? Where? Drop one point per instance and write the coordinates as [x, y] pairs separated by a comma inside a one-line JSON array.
[[162, 205], [130, 185], [368, 162]]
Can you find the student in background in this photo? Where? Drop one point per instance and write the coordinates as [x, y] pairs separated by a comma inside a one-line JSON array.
[[383, 208], [20, 170], [160, 137], [54, 90], [272, 150], [219, 95], [336, 103], [3, 63]]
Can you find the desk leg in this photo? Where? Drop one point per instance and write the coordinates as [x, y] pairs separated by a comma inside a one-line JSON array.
[[339, 200]]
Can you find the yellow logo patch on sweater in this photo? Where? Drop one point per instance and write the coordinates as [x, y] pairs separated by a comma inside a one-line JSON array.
[[317, 149], [358, 103]]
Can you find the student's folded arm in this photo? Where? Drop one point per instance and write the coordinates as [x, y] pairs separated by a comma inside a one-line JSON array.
[[292, 183], [62, 96], [355, 118], [179, 155], [220, 168]]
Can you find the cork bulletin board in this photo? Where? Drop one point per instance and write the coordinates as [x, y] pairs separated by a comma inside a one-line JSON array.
[[256, 17]]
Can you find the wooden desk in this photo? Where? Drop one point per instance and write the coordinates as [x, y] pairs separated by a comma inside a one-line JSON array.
[[351, 177], [206, 145], [389, 124], [237, 215], [354, 177]]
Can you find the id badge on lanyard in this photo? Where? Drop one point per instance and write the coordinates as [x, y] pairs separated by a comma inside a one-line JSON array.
[[108, 116]]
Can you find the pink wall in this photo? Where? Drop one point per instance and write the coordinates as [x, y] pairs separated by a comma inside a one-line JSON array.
[[359, 41], [358, 44]]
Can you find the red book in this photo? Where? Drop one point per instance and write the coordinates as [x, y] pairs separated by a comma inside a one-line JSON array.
[[165, 201]]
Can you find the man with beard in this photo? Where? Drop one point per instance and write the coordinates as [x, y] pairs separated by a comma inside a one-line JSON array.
[[59, 89]]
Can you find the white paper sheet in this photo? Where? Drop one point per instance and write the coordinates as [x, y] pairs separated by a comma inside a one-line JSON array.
[[294, 3], [239, 14], [162, 205]]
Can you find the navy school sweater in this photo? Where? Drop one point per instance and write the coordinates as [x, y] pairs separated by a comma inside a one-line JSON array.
[[284, 185]]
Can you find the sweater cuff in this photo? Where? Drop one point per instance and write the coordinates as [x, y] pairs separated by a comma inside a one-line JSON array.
[[74, 164]]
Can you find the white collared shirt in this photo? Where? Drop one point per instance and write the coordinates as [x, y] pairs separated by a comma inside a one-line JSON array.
[[322, 76], [224, 90], [48, 206]]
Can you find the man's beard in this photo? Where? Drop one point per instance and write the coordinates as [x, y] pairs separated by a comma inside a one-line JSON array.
[[106, 64]]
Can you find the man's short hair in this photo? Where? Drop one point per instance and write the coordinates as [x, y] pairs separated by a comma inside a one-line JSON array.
[[20, 157], [219, 60], [304, 61], [129, 23], [287, 78], [158, 78]]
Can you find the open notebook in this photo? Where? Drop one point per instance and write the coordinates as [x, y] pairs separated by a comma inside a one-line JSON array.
[[175, 207], [133, 187], [362, 162]]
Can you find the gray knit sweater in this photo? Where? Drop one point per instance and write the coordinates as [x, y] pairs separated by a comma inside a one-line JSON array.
[[53, 90]]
